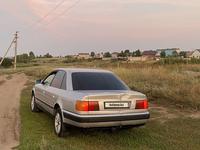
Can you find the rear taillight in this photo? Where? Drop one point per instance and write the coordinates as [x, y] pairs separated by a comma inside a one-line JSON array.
[[87, 106], [141, 104]]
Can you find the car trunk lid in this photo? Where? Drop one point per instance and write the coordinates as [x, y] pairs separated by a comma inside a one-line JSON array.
[[112, 102]]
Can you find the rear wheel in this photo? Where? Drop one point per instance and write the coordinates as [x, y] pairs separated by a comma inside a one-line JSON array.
[[59, 126], [34, 107]]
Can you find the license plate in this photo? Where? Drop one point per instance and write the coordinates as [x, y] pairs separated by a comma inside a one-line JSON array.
[[113, 105]]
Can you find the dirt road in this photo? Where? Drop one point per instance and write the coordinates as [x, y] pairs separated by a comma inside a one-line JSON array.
[[10, 90]]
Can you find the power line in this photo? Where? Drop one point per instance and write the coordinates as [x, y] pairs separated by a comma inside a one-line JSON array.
[[64, 12], [49, 13]]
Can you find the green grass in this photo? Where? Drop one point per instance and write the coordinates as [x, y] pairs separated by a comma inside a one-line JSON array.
[[37, 133]]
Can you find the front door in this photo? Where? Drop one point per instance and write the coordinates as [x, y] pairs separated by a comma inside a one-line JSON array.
[[42, 91]]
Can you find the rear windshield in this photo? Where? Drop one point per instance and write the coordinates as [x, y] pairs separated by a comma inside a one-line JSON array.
[[96, 81]]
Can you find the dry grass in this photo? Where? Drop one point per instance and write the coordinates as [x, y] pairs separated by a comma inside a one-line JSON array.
[[177, 84], [165, 84]]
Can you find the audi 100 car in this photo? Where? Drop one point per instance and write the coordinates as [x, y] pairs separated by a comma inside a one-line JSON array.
[[88, 98]]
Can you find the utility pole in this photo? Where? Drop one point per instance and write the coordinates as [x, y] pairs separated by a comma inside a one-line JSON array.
[[15, 41]]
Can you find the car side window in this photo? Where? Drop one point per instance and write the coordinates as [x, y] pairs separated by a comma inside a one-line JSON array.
[[63, 86], [57, 81], [49, 79]]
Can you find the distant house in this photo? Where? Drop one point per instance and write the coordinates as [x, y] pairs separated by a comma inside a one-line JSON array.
[[149, 55], [83, 56], [99, 55], [194, 54], [188, 54], [168, 51], [115, 55], [158, 54]]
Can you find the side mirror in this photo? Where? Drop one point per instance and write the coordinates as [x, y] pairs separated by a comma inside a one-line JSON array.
[[38, 81], [45, 83]]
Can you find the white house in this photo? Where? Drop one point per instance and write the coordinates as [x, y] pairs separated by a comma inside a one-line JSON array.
[[83, 56], [195, 54], [115, 55], [99, 55]]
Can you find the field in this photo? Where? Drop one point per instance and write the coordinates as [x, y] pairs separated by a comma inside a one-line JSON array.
[[173, 91]]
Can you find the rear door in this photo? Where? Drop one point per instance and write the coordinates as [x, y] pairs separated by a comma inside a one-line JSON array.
[[56, 88]]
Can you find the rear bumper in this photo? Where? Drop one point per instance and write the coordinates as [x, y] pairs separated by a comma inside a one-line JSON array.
[[87, 121]]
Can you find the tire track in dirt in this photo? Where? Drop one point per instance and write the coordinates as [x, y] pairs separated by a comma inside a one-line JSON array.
[[10, 91], [168, 113]]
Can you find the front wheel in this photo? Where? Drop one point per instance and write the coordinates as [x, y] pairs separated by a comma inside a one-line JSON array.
[[34, 107], [59, 126]]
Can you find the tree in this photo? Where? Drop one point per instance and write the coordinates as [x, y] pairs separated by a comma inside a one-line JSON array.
[[183, 54], [133, 54], [92, 54], [107, 54], [163, 54], [138, 53], [24, 58], [127, 53], [31, 55], [48, 55], [122, 54], [174, 54], [7, 62]]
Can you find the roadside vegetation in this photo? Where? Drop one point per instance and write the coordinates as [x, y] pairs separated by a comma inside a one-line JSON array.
[[173, 91], [174, 84]]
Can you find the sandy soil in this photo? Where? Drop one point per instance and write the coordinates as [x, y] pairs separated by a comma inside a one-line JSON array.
[[10, 90], [167, 113]]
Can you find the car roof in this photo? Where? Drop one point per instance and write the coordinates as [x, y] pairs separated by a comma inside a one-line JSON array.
[[82, 70]]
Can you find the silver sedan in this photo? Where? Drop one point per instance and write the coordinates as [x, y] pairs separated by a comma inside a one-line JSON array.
[[88, 98]]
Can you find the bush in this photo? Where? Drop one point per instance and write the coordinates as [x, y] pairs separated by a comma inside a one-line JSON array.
[[70, 60], [7, 62], [24, 58]]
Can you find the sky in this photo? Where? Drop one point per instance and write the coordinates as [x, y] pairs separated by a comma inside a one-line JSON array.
[[64, 27]]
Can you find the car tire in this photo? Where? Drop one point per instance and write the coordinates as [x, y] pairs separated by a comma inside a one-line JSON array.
[[33, 105], [59, 126]]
